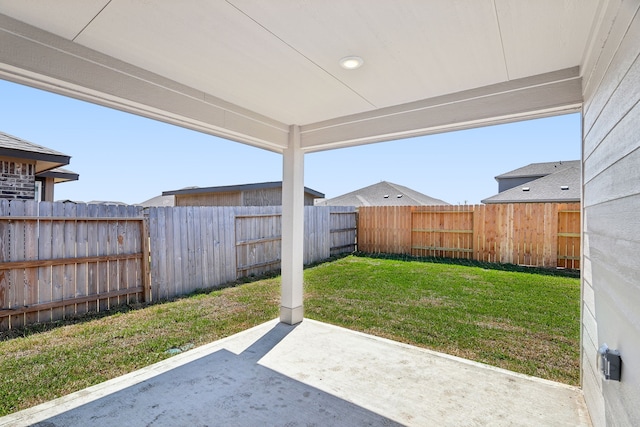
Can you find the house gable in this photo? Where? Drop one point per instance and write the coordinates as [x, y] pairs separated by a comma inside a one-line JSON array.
[[383, 193], [257, 194], [23, 164], [532, 172], [561, 186]]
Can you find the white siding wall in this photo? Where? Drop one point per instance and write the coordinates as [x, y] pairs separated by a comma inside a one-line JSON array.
[[611, 214]]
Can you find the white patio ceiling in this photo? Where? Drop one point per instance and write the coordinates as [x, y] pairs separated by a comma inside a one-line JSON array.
[[247, 70]]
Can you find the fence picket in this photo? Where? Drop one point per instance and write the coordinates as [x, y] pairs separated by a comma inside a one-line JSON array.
[[92, 250], [50, 254], [16, 245], [82, 243], [100, 247], [68, 251], [537, 234], [31, 253]]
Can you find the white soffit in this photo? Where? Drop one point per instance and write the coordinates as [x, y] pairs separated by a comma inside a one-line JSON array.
[[65, 18], [544, 35], [218, 49], [410, 52], [225, 66]]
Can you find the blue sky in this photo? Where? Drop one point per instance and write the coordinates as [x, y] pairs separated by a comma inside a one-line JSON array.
[[122, 157]]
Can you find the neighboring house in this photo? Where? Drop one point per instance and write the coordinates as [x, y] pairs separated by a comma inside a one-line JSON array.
[[383, 193], [259, 194], [159, 201], [539, 182], [106, 202], [29, 171]]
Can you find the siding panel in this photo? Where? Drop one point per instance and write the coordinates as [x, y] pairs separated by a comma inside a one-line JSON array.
[[611, 228]]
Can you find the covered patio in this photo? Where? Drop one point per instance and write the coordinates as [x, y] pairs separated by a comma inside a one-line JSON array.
[[318, 374], [297, 77]]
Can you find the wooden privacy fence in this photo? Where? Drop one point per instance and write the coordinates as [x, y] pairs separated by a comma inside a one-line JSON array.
[[196, 247], [65, 259], [534, 234]]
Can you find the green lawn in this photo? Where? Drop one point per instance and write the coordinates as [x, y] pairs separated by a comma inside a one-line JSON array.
[[524, 322]]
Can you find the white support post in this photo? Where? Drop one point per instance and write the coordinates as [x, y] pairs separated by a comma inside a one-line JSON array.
[[291, 307]]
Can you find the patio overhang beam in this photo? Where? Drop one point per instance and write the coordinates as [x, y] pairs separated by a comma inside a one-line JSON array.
[[544, 95], [36, 58], [39, 59]]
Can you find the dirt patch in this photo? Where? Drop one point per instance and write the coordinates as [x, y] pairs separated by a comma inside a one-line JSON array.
[[502, 326], [430, 301]]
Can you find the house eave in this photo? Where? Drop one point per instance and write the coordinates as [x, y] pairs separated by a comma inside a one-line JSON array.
[[58, 176], [44, 161], [235, 188]]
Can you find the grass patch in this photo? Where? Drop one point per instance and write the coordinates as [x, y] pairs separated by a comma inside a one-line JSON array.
[[524, 322]]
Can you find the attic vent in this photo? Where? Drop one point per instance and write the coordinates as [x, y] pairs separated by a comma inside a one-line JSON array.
[[386, 196], [525, 188], [564, 187], [399, 196]]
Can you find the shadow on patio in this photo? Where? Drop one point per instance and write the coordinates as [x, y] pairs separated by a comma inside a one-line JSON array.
[[313, 374]]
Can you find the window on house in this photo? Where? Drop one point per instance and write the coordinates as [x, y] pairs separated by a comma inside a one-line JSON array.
[[38, 193]]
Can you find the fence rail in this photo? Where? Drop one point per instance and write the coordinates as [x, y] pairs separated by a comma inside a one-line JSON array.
[[59, 260], [64, 259], [536, 234], [221, 244]]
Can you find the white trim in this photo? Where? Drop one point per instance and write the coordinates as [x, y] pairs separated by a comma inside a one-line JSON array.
[[544, 95], [42, 60], [291, 311]]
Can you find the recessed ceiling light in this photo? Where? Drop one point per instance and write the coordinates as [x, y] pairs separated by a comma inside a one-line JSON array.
[[351, 62]]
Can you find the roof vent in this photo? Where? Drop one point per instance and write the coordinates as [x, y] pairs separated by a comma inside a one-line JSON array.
[[399, 196], [525, 188], [386, 196], [564, 187]]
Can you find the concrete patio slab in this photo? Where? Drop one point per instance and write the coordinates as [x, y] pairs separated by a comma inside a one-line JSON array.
[[313, 374]]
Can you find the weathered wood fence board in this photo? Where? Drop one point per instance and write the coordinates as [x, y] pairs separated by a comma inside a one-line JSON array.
[[257, 240], [535, 234], [191, 248], [59, 260], [200, 246], [343, 228]]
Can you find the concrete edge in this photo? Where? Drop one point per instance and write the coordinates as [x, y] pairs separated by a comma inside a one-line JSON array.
[[451, 357]]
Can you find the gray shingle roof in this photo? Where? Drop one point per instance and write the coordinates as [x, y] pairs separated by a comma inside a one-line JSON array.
[[546, 189], [383, 193], [46, 158], [159, 201], [540, 169], [13, 143]]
